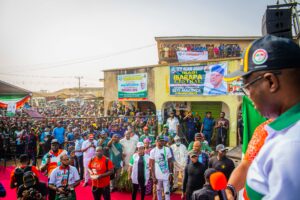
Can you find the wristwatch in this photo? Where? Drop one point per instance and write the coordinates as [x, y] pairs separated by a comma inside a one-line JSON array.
[[232, 190]]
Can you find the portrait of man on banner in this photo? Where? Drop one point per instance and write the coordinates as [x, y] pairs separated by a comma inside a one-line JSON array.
[[214, 83]]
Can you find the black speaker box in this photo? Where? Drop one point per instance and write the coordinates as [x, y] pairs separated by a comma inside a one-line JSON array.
[[286, 34], [277, 21]]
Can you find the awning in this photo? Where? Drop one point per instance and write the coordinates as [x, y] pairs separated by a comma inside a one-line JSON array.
[[33, 113]]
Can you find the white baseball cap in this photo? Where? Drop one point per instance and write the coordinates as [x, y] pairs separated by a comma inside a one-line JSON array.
[[140, 144]]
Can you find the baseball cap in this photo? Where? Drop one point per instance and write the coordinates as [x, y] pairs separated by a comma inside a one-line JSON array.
[[176, 137], [267, 53], [197, 135], [193, 153], [53, 141], [146, 128], [160, 138], [91, 136], [221, 147], [140, 144], [209, 172], [29, 179]]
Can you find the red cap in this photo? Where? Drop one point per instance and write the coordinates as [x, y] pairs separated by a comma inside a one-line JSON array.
[[91, 136], [146, 128]]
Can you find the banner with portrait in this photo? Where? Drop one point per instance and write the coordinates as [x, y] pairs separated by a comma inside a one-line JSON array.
[[132, 86], [198, 80]]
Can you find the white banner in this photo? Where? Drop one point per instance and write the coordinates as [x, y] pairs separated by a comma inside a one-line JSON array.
[[11, 107], [184, 56]]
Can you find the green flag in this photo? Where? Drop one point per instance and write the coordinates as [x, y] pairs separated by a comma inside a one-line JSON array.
[[251, 119]]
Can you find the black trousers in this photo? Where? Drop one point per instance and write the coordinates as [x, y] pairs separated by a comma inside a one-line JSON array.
[[79, 166], [51, 194], [98, 192], [136, 188], [32, 156]]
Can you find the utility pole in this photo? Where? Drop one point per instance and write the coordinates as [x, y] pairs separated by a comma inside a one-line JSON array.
[[79, 78]]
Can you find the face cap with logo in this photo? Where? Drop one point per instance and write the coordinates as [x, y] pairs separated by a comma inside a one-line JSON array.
[[266, 54], [221, 147]]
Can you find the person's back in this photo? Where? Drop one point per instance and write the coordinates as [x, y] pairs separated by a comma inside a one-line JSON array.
[[16, 176], [32, 188], [205, 193]]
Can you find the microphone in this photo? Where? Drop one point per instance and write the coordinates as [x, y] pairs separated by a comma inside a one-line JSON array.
[[218, 183]]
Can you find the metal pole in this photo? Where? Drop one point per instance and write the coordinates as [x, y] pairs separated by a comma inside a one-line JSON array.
[[79, 78]]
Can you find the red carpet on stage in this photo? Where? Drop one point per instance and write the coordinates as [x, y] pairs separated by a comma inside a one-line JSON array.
[[82, 193]]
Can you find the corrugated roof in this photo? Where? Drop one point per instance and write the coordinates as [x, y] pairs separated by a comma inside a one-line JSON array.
[[9, 89]]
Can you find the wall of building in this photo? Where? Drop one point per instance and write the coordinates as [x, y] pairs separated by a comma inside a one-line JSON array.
[[111, 84], [158, 91], [230, 102]]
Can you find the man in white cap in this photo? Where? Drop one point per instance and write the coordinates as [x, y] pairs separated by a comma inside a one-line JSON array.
[[180, 154], [138, 171], [88, 148]]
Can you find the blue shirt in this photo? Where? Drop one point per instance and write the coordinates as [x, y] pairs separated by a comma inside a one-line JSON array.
[[59, 134], [43, 135], [208, 124], [78, 145]]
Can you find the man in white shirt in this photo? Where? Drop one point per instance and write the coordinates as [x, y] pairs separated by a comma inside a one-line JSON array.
[[88, 148], [78, 153], [173, 124], [129, 147], [64, 179], [180, 155], [161, 166], [271, 80]]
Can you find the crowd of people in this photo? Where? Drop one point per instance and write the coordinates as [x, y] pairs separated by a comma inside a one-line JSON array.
[[214, 51], [117, 150], [115, 153]]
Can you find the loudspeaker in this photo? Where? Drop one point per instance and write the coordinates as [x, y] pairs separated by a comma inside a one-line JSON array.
[[286, 34], [277, 21]]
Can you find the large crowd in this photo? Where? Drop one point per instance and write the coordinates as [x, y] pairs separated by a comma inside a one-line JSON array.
[[122, 152]]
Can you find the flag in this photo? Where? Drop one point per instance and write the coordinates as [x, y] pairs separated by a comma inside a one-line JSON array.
[[251, 119]]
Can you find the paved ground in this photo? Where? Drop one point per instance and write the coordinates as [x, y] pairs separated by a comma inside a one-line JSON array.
[[235, 154]]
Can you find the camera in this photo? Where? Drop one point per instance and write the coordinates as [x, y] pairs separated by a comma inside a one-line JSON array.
[[33, 194], [67, 194]]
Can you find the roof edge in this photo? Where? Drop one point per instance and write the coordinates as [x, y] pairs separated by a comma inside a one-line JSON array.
[[172, 64]]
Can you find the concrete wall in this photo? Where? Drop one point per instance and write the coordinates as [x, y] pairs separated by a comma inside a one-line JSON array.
[[111, 84]]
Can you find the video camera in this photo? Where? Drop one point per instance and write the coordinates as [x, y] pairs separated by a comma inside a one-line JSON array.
[[67, 194], [33, 194]]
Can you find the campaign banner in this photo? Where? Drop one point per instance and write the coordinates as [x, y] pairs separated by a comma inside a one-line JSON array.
[[184, 56], [235, 86], [132, 86], [198, 80]]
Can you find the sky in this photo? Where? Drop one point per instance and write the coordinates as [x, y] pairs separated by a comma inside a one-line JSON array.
[[45, 44]]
